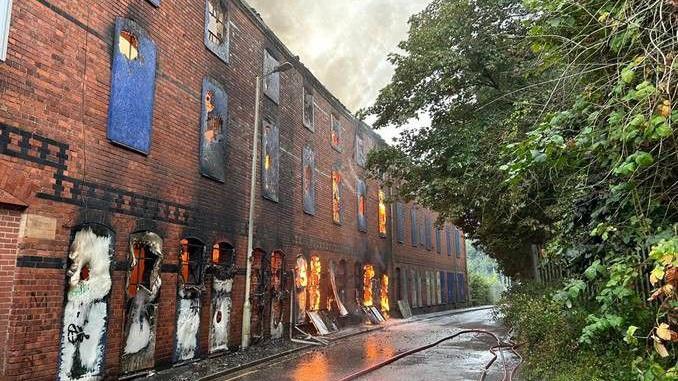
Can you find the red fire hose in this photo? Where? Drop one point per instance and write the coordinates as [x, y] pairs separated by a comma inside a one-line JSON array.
[[507, 376]]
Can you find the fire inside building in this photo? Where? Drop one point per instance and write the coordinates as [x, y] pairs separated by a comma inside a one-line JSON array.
[[175, 184]]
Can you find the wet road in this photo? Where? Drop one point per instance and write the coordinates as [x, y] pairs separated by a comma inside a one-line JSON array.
[[462, 358]]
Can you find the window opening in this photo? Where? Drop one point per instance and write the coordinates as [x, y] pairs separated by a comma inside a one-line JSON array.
[[336, 197], [314, 284], [368, 275], [191, 261], [128, 45], [140, 275], [216, 25]]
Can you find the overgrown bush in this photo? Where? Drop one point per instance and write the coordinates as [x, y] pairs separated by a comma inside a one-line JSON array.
[[549, 333], [481, 288]]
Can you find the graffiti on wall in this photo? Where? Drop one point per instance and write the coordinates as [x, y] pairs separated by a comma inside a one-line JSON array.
[[143, 289], [189, 290], [213, 122], [300, 284], [130, 110], [83, 336], [223, 270]]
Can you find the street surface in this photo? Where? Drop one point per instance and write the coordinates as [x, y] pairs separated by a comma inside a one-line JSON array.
[[462, 358]]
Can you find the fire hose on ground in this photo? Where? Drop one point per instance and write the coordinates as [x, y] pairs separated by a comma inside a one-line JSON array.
[[498, 347]]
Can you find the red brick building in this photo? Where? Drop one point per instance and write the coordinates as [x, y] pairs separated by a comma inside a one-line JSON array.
[[126, 131]]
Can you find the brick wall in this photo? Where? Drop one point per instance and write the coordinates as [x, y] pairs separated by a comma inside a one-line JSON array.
[[54, 94]]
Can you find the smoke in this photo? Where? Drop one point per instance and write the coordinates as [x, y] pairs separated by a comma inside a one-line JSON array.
[[344, 43]]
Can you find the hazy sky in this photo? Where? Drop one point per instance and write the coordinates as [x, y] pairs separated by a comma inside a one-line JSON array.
[[343, 42]]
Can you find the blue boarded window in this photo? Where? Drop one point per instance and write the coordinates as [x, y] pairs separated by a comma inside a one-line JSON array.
[[130, 109], [270, 159], [155, 2], [448, 240], [443, 287], [450, 288], [413, 225], [213, 122], [427, 232], [400, 221], [361, 191], [438, 248], [308, 180], [422, 233], [216, 28], [360, 154], [308, 109], [457, 242]]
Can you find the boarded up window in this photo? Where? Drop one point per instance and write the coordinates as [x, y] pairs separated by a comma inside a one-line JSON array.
[[361, 191], [382, 213], [360, 154], [438, 248], [216, 28], [448, 240], [413, 226], [337, 196], [457, 242], [130, 110], [309, 117], [270, 160], [422, 232], [400, 222], [427, 232], [271, 79], [335, 133], [214, 115], [5, 15], [308, 180]]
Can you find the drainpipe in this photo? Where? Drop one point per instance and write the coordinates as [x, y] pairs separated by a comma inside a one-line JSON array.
[[247, 307]]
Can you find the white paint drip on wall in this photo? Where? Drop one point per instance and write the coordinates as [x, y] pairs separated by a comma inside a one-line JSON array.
[[221, 314], [188, 323], [86, 312], [140, 332]]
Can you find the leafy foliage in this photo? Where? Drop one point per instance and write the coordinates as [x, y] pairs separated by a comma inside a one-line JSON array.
[[552, 124]]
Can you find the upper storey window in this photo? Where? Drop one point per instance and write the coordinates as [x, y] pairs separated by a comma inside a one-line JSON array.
[[308, 180], [5, 15], [130, 107], [335, 133], [413, 226], [382, 213], [308, 110], [362, 194], [360, 156], [271, 79], [216, 28], [336, 197]]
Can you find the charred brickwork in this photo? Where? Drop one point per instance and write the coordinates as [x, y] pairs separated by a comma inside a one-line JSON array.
[[125, 151]]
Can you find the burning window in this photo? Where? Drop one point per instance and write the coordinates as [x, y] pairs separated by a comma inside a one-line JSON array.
[[270, 160], [212, 127], [140, 274], [308, 110], [216, 22], [368, 275], [336, 133], [223, 254], [314, 284], [128, 45], [336, 197], [191, 261], [214, 121], [382, 213], [383, 295]]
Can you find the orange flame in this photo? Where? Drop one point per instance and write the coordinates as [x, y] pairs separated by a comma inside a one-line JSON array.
[[314, 284], [385, 307], [368, 274]]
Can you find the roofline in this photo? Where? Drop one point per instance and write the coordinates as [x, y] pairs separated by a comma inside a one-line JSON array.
[[255, 17]]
